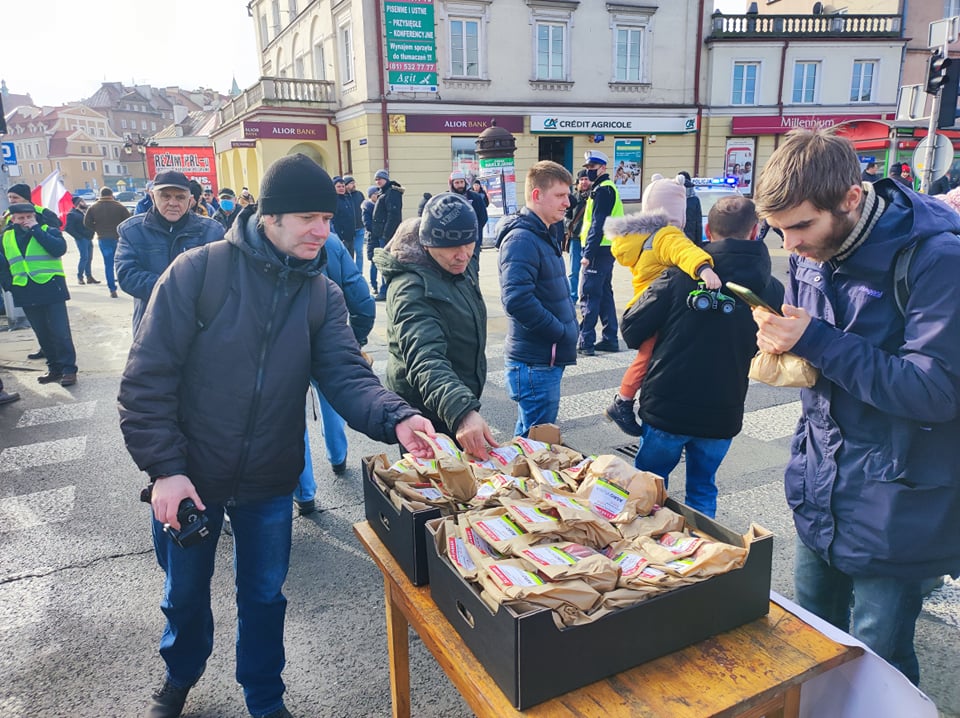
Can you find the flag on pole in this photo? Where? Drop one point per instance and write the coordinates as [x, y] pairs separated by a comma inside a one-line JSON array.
[[52, 194]]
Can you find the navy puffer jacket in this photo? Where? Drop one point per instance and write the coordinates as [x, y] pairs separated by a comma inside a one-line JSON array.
[[874, 471], [534, 290]]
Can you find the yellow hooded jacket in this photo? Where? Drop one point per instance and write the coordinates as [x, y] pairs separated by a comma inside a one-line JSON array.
[[648, 244]]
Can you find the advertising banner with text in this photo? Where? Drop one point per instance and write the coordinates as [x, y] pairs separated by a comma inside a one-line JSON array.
[[197, 163], [411, 45]]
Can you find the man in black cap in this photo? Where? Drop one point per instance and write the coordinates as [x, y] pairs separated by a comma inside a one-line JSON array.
[[31, 268], [573, 225], [150, 241], [355, 247], [229, 208], [20, 193], [387, 215], [693, 227], [437, 328], [211, 407]]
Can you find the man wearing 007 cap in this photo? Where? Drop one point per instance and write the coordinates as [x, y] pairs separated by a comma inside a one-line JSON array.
[[596, 286]]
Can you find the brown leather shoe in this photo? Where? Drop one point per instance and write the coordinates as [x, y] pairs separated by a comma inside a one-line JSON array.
[[91, 280], [113, 294], [68, 380], [50, 377]]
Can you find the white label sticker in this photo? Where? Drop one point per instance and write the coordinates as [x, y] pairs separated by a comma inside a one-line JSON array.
[[457, 552], [552, 478], [529, 446], [549, 556], [512, 576], [630, 563], [505, 454], [563, 501], [499, 529], [531, 516], [607, 500]]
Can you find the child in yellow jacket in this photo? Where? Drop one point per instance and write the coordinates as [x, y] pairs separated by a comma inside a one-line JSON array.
[[650, 242]]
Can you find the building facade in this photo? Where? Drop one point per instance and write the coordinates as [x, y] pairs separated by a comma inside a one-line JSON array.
[[563, 76]]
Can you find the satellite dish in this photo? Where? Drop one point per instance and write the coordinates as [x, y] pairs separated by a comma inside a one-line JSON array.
[[818, 8]]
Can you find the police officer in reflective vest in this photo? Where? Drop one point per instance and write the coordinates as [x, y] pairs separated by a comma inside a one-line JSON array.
[[30, 268], [596, 284]]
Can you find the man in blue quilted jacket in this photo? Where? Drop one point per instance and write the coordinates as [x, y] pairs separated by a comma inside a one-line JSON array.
[[542, 325]]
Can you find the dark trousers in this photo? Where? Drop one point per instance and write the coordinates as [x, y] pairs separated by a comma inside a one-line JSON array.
[[84, 268], [596, 300], [108, 248], [52, 327]]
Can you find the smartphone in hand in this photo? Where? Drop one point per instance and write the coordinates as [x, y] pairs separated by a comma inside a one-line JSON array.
[[747, 295]]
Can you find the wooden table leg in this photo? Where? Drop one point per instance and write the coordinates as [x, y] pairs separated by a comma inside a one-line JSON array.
[[399, 647], [791, 702]]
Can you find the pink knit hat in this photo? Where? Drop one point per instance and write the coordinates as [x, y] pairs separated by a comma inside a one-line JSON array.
[[669, 195]]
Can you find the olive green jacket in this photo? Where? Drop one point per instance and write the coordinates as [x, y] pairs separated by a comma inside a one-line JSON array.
[[437, 331]]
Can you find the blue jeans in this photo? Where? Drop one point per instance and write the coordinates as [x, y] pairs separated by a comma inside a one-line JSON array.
[[261, 556], [576, 253], [51, 325], [84, 267], [884, 612], [660, 453], [536, 389], [359, 246], [108, 248], [596, 301], [334, 436]]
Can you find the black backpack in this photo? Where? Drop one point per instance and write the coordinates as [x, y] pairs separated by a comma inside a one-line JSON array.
[[221, 263]]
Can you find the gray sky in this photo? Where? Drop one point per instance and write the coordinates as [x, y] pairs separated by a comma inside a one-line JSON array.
[[64, 50]]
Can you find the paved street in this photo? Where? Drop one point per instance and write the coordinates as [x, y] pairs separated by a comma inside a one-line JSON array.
[[79, 586]]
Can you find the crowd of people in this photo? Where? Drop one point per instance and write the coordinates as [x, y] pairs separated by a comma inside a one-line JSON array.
[[868, 302]]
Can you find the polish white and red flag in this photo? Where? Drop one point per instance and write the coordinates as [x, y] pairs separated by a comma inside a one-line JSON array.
[[52, 194]]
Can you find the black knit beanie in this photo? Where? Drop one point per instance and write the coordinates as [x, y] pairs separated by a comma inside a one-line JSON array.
[[296, 183], [21, 190]]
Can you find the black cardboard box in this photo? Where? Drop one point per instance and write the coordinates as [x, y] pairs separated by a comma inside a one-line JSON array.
[[401, 531], [524, 654]]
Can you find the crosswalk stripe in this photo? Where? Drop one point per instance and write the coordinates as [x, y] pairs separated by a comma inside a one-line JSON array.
[[42, 453], [775, 422], [29, 510], [54, 414]]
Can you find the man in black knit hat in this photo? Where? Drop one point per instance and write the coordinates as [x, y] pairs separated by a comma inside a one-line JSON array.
[[211, 407]]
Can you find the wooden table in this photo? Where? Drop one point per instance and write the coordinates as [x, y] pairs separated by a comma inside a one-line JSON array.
[[754, 670]]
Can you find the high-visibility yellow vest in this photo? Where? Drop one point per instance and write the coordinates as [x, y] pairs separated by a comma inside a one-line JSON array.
[[588, 215], [37, 264]]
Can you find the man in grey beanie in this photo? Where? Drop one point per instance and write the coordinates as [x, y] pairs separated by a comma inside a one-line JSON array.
[[437, 321], [211, 408]]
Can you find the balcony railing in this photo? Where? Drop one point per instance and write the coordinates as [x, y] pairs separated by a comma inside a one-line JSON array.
[[278, 91], [810, 26]]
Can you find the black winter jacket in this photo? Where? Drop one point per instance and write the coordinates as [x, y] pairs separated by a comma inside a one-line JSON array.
[[225, 405], [387, 212], [75, 227], [697, 380], [542, 328]]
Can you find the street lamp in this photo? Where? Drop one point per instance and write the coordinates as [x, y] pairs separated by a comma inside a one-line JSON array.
[[141, 143]]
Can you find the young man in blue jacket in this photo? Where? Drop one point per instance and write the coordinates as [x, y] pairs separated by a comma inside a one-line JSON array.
[[873, 477], [542, 326]]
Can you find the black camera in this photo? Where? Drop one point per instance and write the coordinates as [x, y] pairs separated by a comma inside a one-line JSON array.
[[193, 525]]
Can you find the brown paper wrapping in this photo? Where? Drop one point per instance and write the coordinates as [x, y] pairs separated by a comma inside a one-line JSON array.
[[511, 579], [587, 564], [783, 370], [656, 524]]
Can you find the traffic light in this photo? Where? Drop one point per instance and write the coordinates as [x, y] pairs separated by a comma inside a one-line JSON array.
[[937, 71], [948, 97]]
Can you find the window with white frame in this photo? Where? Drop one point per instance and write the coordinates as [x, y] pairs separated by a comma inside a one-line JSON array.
[[292, 9], [319, 64], [83, 165], [275, 12], [299, 67], [551, 51], [951, 8], [345, 33], [264, 32], [805, 82], [744, 91], [861, 83], [629, 49], [93, 166], [464, 47]]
